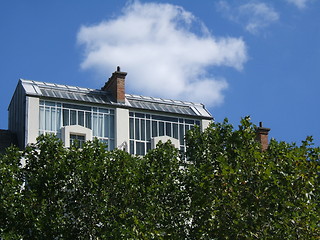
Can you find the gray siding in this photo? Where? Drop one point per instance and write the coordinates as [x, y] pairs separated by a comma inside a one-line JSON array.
[[7, 139], [17, 114]]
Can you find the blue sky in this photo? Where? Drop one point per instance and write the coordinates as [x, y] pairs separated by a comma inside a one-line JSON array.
[[251, 57]]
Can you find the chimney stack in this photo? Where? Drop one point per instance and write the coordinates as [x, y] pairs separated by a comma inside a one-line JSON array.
[[116, 85], [262, 136]]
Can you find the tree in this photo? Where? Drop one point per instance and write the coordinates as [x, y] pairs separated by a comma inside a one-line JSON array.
[[66, 193], [163, 201], [238, 191], [224, 187], [11, 182]]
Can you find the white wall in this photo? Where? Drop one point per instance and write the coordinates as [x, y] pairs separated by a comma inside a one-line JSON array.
[[122, 128], [205, 123], [154, 141], [32, 119]]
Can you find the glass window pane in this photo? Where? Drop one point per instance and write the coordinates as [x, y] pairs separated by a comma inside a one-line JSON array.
[[111, 144], [41, 118], [189, 121], [53, 120], [77, 139], [88, 120], [131, 128], [73, 106], [181, 134], [65, 117], [164, 118], [140, 115], [161, 128], [148, 130], [137, 129], [58, 134], [47, 118], [143, 129], [175, 130], [168, 129], [140, 148], [132, 147], [100, 125], [148, 146], [106, 125], [81, 137], [143, 149], [154, 129], [58, 126], [187, 128], [111, 126], [52, 104], [81, 118], [94, 124], [105, 141], [73, 117], [103, 110]]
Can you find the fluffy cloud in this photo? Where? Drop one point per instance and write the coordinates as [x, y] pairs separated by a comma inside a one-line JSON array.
[[165, 50], [254, 16], [299, 3]]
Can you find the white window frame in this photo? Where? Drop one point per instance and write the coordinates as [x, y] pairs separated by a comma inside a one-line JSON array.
[[75, 130]]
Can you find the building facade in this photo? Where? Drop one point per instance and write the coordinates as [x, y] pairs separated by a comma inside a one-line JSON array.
[[131, 122]]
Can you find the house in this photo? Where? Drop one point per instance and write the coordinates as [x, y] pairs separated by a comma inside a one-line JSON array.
[[131, 122]]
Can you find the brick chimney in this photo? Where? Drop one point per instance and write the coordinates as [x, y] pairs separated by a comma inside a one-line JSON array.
[[262, 136], [116, 85]]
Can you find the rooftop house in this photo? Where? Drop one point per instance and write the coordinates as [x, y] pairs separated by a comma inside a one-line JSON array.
[[131, 122]]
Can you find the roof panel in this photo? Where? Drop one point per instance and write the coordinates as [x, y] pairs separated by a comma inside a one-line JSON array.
[[64, 94], [203, 111], [162, 107], [30, 89], [97, 96]]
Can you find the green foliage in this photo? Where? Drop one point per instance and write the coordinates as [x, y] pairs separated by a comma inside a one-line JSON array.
[[11, 182], [224, 188], [240, 192], [162, 203]]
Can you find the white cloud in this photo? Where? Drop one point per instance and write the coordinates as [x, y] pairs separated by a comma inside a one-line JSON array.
[[163, 55], [299, 3], [254, 16]]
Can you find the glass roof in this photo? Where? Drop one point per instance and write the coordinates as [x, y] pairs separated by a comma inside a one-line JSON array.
[[59, 91], [78, 96], [162, 107]]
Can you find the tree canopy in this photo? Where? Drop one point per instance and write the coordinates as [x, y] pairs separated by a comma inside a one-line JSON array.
[[223, 187]]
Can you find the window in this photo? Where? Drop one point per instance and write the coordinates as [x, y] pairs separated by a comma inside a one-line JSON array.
[[77, 140], [144, 127], [55, 115]]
